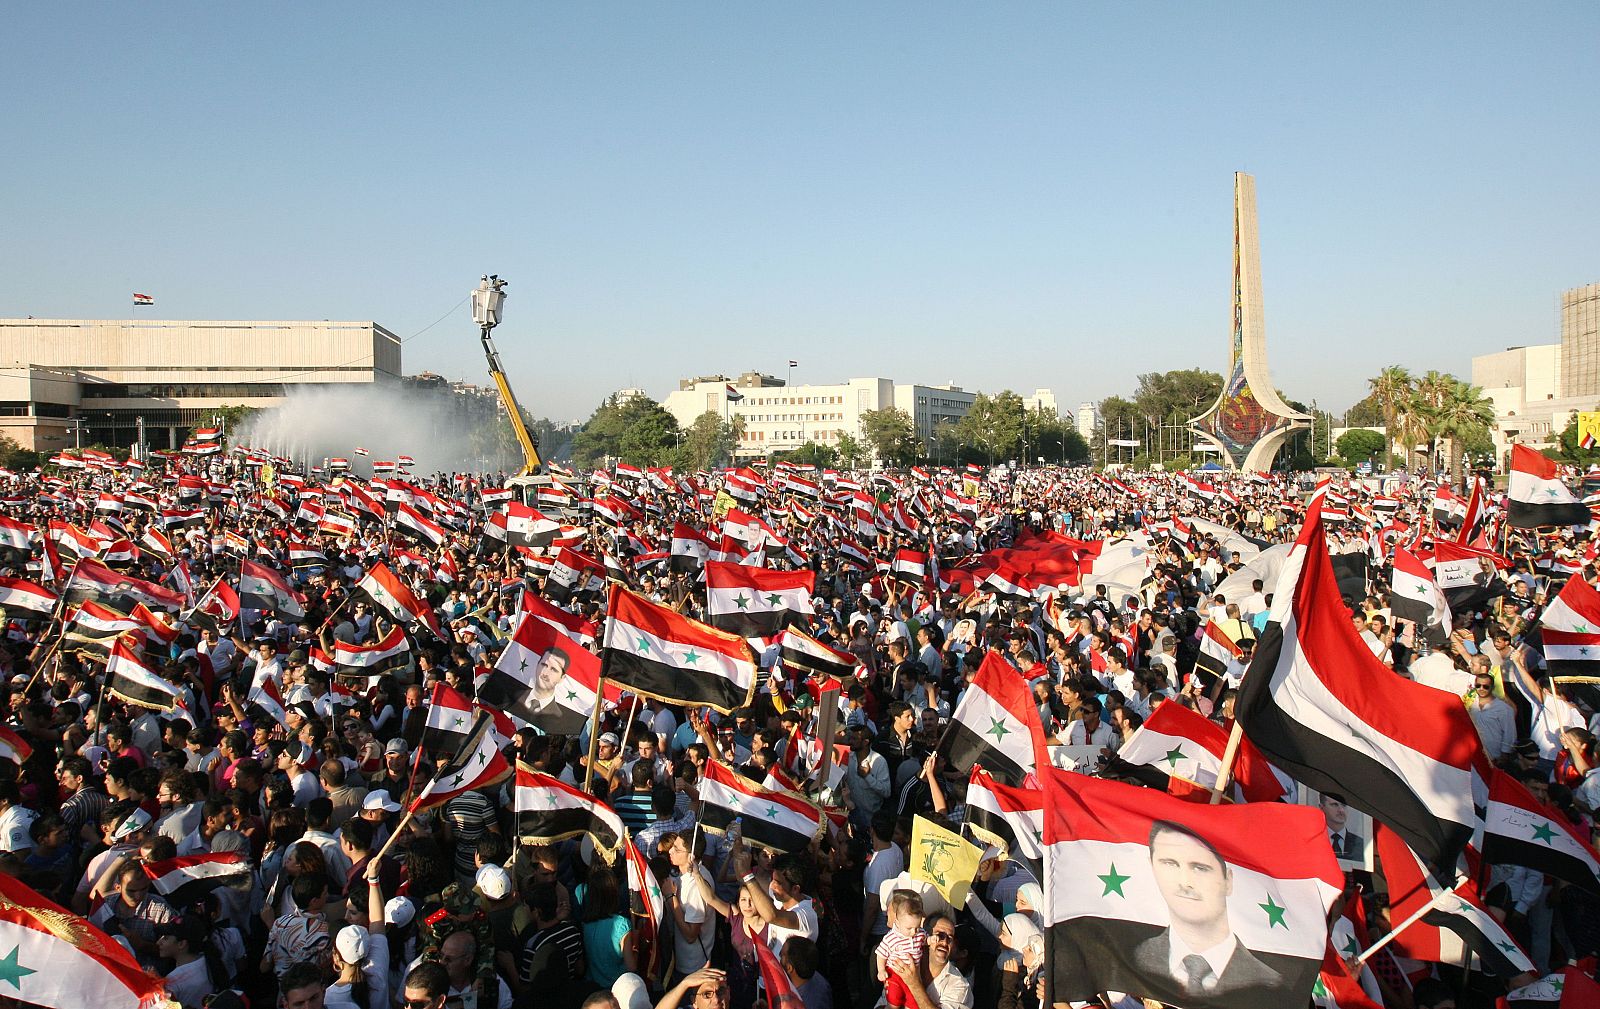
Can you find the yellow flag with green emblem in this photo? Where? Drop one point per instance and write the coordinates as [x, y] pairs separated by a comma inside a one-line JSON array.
[[943, 858]]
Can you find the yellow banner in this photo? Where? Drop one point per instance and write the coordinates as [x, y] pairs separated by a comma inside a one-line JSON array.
[[945, 859], [1589, 427]]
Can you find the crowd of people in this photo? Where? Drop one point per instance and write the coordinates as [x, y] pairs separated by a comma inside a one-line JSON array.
[[307, 771]]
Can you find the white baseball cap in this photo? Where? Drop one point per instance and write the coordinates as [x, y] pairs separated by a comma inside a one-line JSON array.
[[399, 911], [352, 945], [493, 882], [379, 799]]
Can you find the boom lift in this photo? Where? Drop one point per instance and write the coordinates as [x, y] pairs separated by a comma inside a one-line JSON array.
[[487, 300]]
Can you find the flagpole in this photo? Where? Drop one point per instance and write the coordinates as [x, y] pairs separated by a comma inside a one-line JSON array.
[[1229, 754], [594, 733], [1415, 917]]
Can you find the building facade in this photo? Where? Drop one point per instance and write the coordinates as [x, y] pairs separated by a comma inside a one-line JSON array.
[[780, 418], [1088, 415], [1042, 399], [1580, 341], [94, 381]]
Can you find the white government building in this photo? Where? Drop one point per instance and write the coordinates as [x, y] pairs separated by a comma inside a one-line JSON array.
[[779, 417], [62, 380]]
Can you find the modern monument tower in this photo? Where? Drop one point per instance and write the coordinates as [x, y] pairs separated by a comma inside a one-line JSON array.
[[1249, 423]]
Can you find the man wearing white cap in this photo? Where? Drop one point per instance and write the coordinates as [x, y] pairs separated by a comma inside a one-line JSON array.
[[377, 808], [361, 952]]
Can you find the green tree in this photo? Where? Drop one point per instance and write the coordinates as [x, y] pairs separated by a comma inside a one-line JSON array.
[[812, 452], [892, 435], [636, 430], [1359, 445], [1188, 392], [1568, 449], [1119, 418], [710, 441], [1391, 389], [1462, 414], [993, 426], [851, 452]]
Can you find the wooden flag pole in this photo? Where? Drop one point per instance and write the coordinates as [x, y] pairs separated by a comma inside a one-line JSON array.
[[411, 811], [1229, 754], [594, 733]]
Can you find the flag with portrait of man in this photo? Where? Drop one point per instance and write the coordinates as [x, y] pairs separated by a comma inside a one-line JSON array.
[[545, 679], [1171, 900]]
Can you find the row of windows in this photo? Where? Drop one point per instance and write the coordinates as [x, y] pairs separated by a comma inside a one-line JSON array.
[[769, 418], [786, 436], [795, 400], [247, 390], [18, 408]]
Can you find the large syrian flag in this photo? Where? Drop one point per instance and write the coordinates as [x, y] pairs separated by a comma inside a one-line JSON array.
[[1458, 921], [97, 626], [779, 821], [478, 764], [92, 580], [1183, 902], [392, 652], [653, 651], [1521, 830], [129, 678], [1322, 707], [15, 537], [187, 879], [545, 679], [995, 724], [261, 588], [910, 567], [449, 720], [414, 524], [550, 810], [395, 598], [17, 594], [801, 653], [574, 574], [1537, 497], [56, 958], [1570, 630], [1011, 817], [690, 548], [1414, 596], [1181, 743], [755, 602]]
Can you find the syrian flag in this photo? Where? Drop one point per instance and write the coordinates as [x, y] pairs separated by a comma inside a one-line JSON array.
[[1218, 654], [478, 764], [549, 810], [15, 536], [303, 555], [449, 720], [755, 602], [775, 981], [361, 451], [1011, 817], [545, 679], [395, 598], [570, 624], [143, 299], [1570, 630], [653, 651], [690, 548], [1448, 510], [13, 747], [216, 610], [1521, 830], [1457, 923], [910, 567], [97, 626], [186, 880], [411, 522], [995, 724], [56, 958], [1336, 989], [264, 694], [1009, 582], [803, 654], [393, 652], [1181, 743], [130, 679], [1184, 904], [1322, 707], [261, 588], [92, 580], [1414, 596], [775, 820], [1537, 497], [154, 542], [19, 594]]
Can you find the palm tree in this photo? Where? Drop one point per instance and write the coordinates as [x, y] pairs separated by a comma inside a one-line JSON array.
[[1433, 390], [1463, 413], [1391, 387]]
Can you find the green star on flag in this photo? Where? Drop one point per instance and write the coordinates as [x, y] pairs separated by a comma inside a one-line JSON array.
[[691, 656], [742, 600], [774, 599], [998, 730], [1274, 913], [13, 972], [1543, 833], [1113, 881], [772, 812], [1174, 755], [572, 695], [642, 645]]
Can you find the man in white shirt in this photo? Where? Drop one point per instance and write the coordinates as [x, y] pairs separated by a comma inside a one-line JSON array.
[[885, 863], [695, 935], [1494, 719], [16, 820], [1087, 729]]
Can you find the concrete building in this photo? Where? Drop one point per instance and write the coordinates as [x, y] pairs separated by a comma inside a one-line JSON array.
[[779, 418], [1042, 399], [106, 375], [1088, 415]]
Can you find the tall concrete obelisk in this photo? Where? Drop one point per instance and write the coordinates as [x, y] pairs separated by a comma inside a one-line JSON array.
[[1249, 422]]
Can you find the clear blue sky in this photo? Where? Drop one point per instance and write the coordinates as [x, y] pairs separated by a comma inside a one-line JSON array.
[[1003, 195]]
